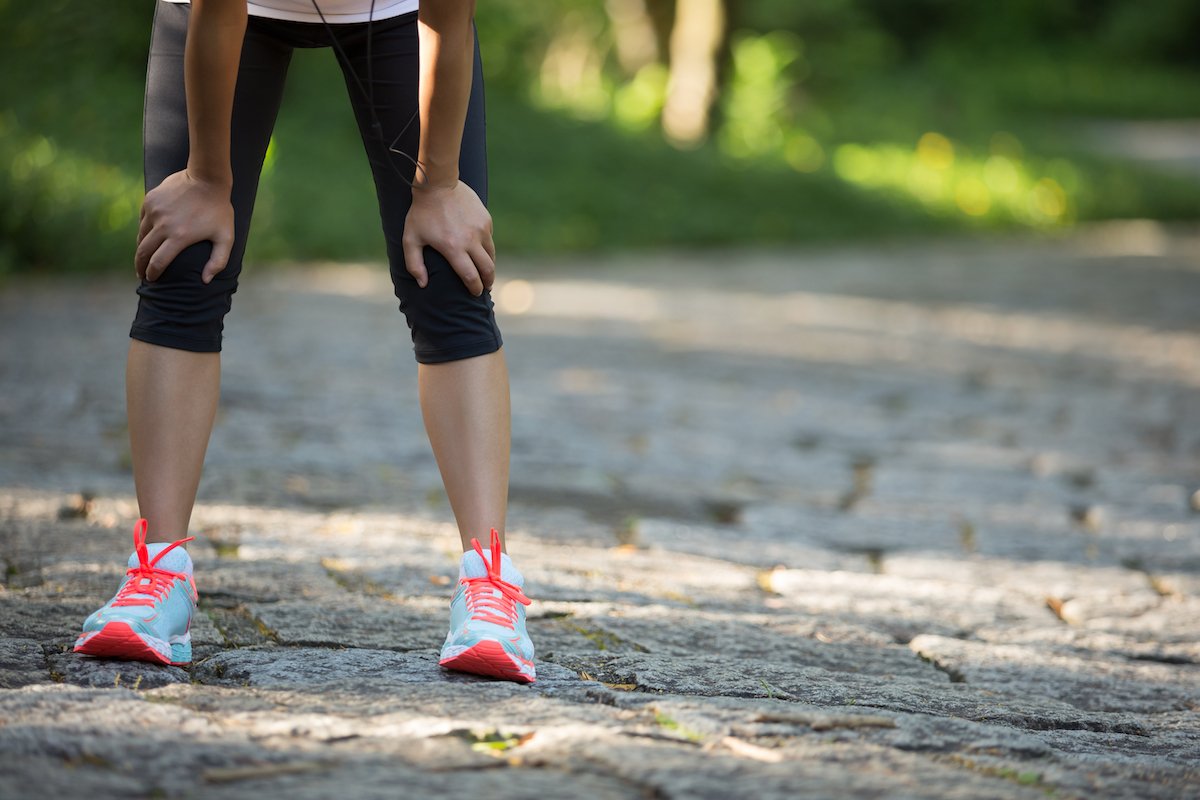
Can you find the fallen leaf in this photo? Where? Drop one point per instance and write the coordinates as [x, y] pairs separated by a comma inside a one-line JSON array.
[[1056, 605]]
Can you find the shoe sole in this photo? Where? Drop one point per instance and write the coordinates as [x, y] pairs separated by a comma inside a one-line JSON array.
[[488, 659], [118, 640]]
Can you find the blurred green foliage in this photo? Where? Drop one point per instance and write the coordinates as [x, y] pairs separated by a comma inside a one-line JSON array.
[[835, 119], [556, 184], [59, 208]]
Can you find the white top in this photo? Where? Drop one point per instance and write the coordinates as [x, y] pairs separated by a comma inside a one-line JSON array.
[[335, 11]]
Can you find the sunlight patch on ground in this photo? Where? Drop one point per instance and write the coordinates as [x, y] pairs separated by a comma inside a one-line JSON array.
[[894, 331]]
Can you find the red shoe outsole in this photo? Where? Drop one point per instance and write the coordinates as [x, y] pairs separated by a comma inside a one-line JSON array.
[[117, 640], [489, 659]]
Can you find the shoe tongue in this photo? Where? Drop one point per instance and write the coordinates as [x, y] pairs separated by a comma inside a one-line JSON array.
[[473, 566], [177, 560]]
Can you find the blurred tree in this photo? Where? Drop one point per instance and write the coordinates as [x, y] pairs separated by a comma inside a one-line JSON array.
[[635, 35], [662, 14], [696, 39]]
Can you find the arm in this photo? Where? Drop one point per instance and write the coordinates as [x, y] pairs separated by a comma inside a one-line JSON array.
[[446, 214], [193, 205]]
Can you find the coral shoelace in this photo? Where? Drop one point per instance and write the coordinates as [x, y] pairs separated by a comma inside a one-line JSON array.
[[483, 601], [149, 582]]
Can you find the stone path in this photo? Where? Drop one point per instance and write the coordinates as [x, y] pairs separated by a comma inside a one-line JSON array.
[[904, 522], [1170, 145]]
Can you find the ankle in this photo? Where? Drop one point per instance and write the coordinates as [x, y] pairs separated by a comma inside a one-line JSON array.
[[177, 560], [471, 565]]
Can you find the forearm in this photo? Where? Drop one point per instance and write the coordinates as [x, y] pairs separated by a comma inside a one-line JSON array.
[[447, 45], [214, 48]]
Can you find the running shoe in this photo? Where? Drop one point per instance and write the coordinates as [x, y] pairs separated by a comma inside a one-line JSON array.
[[150, 618], [487, 619]]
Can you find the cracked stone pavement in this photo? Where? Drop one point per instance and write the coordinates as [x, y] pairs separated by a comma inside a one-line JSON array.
[[905, 521]]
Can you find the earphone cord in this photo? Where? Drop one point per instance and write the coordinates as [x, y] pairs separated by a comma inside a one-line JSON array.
[[369, 94]]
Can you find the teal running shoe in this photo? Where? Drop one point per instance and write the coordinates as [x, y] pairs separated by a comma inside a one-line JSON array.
[[150, 618], [487, 619]]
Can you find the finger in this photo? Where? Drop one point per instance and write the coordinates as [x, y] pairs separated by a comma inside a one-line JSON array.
[[217, 260], [414, 261], [163, 257], [484, 265], [144, 226], [146, 248], [145, 217], [490, 245], [466, 270]]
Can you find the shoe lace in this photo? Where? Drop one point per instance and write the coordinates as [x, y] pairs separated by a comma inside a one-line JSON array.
[[148, 583], [490, 598]]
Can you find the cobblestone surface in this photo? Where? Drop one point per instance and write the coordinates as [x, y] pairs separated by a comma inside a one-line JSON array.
[[906, 522]]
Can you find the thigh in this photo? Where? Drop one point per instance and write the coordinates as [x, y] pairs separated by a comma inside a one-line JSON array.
[[179, 310], [447, 321]]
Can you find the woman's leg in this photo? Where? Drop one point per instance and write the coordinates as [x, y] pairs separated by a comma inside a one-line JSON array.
[[466, 408], [174, 369], [171, 397], [463, 376]]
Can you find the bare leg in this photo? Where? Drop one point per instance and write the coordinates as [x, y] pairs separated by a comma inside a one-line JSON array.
[[172, 401], [466, 408]]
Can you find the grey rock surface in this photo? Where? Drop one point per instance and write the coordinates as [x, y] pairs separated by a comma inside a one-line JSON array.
[[22, 662], [673, 632], [352, 622], [280, 666], [1088, 680], [702, 675], [228, 580], [105, 672], [906, 522]]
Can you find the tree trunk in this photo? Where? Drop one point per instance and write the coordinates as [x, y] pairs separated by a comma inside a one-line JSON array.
[[696, 39], [635, 34]]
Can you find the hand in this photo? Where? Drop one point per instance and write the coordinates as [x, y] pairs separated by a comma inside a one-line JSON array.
[[179, 212], [452, 220]]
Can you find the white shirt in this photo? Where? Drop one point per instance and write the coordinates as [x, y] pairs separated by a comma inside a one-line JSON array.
[[335, 11]]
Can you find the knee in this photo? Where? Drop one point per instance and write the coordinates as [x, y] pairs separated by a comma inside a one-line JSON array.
[[180, 310], [448, 323]]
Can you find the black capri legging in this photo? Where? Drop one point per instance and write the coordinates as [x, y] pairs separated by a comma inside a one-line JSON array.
[[180, 311]]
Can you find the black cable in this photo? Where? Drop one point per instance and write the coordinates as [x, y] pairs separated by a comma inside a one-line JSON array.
[[369, 94]]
